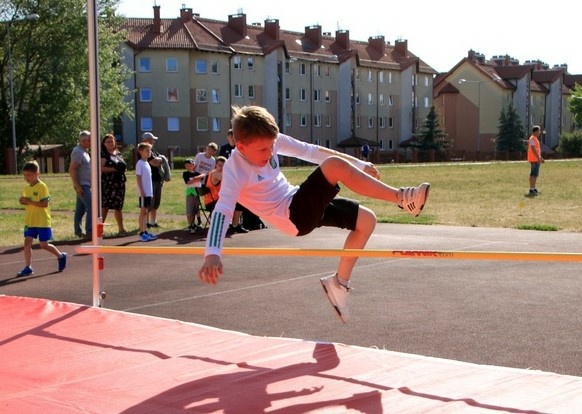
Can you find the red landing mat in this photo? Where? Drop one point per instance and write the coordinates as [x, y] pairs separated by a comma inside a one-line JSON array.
[[64, 358]]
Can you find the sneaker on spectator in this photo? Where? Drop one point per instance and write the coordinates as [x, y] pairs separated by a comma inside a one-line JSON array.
[[27, 271], [62, 262], [337, 295], [412, 199], [154, 224], [144, 237], [239, 229], [152, 236]]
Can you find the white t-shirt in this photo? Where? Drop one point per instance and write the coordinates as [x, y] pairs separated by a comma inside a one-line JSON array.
[[202, 164], [263, 190], [143, 169]]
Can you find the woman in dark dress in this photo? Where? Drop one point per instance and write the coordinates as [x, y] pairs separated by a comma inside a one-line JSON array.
[[112, 181]]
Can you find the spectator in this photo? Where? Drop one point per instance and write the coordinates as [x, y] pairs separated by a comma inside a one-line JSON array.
[[193, 181], [365, 151], [80, 172], [213, 182], [37, 219], [156, 161], [143, 173], [228, 148], [204, 162], [112, 181]]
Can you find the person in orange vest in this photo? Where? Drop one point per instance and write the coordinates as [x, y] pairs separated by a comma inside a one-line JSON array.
[[534, 156]]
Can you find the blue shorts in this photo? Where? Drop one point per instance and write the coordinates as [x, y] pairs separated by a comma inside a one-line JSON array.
[[44, 234], [535, 169]]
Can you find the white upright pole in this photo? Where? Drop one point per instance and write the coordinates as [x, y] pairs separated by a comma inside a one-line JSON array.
[[92, 29]]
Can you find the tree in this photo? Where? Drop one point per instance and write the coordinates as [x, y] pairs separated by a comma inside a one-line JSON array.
[[431, 136], [51, 86], [575, 105], [511, 135]]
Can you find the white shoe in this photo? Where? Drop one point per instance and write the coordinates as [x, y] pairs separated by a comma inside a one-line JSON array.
[[412, 199], [337, 295]]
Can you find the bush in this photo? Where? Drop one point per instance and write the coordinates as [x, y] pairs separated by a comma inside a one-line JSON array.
[[571, 144]]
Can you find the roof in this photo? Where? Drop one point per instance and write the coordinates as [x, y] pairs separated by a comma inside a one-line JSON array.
[[356, 142]]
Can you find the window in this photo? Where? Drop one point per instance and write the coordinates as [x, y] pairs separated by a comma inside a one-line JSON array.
[[251, 63], [201, 66], [389, 77], [327, 97], [237, 63], [357, 74], [214, 67], [381, 99], [426, 103], [303, 69], [172, 95], [390, 100], [328, 121], [145, 64], [382, 122], [251, 91], [173, 124], [287, 94], [381, 76], [357, 98], [369, 75], [316, 95], [357, 121], [317, 121], [326, 71], [303, 94], [215, 96], [303, 120], [238, 90], [201, 95], [145, 94], [327, 143], [390, 122], [288, 119], [146, 123], [201, 123], [370, 99], [426, 82], [370, 122], [216, 124], [171, 65], [287, 67], [317, 70]]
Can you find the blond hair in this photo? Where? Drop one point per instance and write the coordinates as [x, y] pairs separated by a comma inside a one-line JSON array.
[[253, 122]]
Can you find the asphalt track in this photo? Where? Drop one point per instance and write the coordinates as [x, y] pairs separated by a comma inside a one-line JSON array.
[[522, 314]]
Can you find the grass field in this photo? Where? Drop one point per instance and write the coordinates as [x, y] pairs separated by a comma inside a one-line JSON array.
[[462, 194]]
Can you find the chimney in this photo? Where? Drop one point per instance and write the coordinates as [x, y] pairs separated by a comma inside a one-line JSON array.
[[377, 43], [272, 28], [185, 15], [238, 23], [342, 38], [401, 46], [157, 20], [313, 34]]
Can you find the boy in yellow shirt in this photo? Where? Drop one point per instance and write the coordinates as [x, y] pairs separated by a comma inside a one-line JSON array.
[[37, 218]]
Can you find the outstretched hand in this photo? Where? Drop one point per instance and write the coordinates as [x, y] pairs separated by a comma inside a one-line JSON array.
[[371, 169], [211, 269]]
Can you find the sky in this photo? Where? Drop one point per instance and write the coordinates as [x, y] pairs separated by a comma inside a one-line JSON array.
[[439, 32]]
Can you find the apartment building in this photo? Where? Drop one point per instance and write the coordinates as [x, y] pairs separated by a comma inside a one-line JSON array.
[[471, 96], [322, 88]]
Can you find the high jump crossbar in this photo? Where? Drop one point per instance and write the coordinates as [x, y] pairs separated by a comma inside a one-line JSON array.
[[368, 253]]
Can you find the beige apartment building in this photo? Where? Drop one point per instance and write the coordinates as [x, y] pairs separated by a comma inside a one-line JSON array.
[[321, 87], [471, 96]]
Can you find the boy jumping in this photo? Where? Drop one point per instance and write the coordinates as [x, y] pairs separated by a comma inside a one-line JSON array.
[[252, 177]]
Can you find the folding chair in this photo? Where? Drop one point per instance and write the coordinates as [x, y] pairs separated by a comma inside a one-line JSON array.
[[204, 210]]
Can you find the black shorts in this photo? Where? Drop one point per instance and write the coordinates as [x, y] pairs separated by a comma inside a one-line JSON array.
[[145, 202], [315, 204]]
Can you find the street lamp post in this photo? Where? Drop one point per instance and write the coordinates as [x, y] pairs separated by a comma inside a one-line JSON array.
[[478, 109], [11, 81]]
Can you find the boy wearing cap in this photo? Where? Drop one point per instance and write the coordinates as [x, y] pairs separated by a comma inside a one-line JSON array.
[[155, 161], [193, 180]]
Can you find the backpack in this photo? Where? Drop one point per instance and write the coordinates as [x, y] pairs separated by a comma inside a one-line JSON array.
[[165, 171]]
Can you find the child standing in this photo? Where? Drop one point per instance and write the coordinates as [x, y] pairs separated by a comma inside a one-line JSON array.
[[253, 177], [143, 173], [37, 218], [193, 181], [213, 182]]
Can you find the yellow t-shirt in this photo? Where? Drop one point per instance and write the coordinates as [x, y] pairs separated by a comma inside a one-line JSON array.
[[37, 216]]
